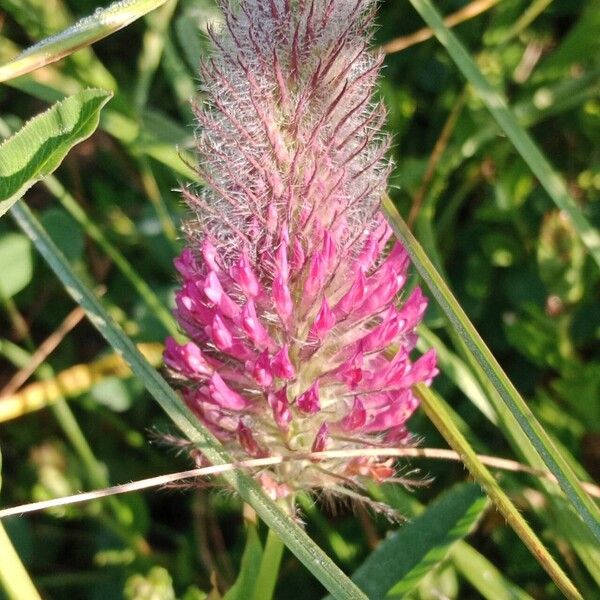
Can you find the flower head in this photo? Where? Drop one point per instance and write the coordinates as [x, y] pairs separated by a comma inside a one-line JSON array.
[[289, 298]]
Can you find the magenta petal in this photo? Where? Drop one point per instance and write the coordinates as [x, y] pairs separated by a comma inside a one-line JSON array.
[[390, 373], [224, 396], [382, 335], [252, 326], [413, 310], [281, 261], [280, 406], [186, 264], [329, 249], [424, 369], [308, 402], [381, 294], [187, 359], [321, 439], [281, 365], [209, 253], [368, 253], [282, 298], [356, 418], [323, 323], [212, 288], [298, 256], [316, 274], [248, 443], [354, 297], [214, 292], [351, 371], [261, 371], [220, 334], [244, 276], [395, 415]]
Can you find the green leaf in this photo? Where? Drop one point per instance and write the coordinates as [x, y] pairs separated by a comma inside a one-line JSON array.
[[40, 146], [475, 567], [85, 32], [403, 559], [16, 266], [295, 538], [243, 587], [522, 141]]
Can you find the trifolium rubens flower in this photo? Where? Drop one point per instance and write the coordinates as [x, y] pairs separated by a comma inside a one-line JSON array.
[[291, 289]]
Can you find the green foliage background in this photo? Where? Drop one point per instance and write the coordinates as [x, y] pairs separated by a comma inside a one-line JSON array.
[[514, 262]]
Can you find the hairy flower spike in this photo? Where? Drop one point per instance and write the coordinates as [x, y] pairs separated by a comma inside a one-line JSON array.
[[288, 296]]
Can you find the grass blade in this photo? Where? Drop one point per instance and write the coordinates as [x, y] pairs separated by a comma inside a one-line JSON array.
[[295, 538], [85, 32], [522, 141], [394, 569], [40, 145], [441, 419], [526, 420]]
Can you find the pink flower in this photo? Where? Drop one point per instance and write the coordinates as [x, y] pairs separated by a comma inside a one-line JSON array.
[[288, 294]]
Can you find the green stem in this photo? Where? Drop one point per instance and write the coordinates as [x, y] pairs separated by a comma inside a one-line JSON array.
[[13, 575], [516, 405], [441, 419], [295, 538], [269, 567]]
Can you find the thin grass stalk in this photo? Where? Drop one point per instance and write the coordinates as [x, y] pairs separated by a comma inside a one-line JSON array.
[[84, 33], [443, 422], [296, 539], [522, 141], [526, 420]]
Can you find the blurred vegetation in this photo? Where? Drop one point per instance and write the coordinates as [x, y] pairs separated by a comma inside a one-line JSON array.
[[513, 260]]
